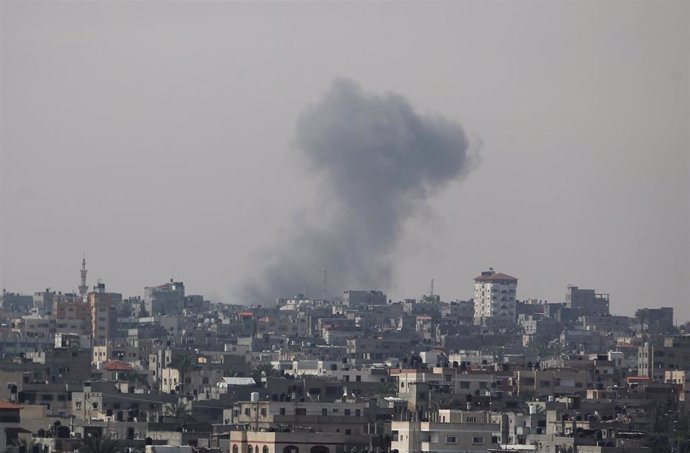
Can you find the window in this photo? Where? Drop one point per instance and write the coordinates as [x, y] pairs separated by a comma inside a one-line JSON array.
[[451, 439], [477, 440]]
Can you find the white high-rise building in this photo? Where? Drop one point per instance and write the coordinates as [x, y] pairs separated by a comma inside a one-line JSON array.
[[494, 296]]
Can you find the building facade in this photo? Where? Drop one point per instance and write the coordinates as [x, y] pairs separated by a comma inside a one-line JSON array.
[[494, 296], [164, 299]]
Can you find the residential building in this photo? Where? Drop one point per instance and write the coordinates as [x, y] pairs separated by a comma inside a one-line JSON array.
[[103, 315], [356, 298], [453, 431], [165, 299], [494, 296], [586, 301]]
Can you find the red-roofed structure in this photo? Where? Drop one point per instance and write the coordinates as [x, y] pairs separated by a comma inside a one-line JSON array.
[[6, 405], [118, 365]]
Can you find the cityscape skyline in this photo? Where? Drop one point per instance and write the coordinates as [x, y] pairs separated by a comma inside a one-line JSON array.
[[344, 227], [159, 154], [431, 290]]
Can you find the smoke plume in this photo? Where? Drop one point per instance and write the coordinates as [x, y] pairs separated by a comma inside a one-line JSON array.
[[379, 161]]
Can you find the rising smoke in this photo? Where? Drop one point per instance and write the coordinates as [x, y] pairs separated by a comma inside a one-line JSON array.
[[380, 160]]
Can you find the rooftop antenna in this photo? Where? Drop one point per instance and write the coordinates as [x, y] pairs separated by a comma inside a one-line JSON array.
[[431, 289], [325, 284]]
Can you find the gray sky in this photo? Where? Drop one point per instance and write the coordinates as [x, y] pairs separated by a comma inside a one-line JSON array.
[[158, 138]]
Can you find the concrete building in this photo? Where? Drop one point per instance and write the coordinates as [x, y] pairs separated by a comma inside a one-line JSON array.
[[586, 301], [11, 430], [541, 383], [673, 355], [356, 298], [165, 299], [72, 315], [15, 302], [348, 417], [288, 442], [363, 350], [103, 316], [494, 296], [655, 319], [43, 302], [455, 431]]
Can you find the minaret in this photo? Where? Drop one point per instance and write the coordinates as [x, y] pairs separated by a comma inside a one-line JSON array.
[[83, 288]]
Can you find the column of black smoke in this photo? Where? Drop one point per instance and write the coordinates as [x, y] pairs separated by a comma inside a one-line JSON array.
[[380, 160]]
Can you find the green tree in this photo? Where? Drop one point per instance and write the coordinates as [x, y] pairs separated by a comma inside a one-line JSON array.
[[98, 444], [386, 389], [179, 410], [264, 370]]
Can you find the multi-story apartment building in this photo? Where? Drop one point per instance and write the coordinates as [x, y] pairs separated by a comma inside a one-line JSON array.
[[654, 361], [165, 299], [103, 317], [15, 302], [562, 381], [341, 416], [655, 318], [377, 349], [72, 315], [357, 298], [586, 301], [43, 302], [494, 296], [453, 431]]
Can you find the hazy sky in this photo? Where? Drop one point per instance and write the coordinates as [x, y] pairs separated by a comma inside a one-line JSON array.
[[159, 139]]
